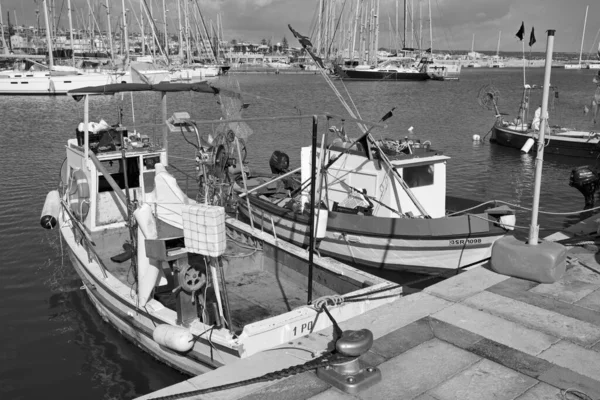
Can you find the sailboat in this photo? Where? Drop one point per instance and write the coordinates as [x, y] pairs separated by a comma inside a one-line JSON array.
[[53, 81], [496, 62], [578, 65], [194, 288], [473, 63]]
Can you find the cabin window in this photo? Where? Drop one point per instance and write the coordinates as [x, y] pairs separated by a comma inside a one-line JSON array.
[[14, 83], [17, 76], [67, 81], [115, 169], [418, 176]]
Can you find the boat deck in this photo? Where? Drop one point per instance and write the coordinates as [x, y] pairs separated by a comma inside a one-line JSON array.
[[478, 335]]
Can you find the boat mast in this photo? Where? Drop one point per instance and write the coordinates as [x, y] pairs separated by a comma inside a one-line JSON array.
[[142, 29], [5, 49], [180, 29], [319, 26], [166, 29], [420, 25], [125, 32], [412, 24], [539, 160], [187, 31], [110, 41], [48, 38], [498, 46], [430, 29], [356, 17], [71, 31], [396, 38], [583, 34], [376, 41]]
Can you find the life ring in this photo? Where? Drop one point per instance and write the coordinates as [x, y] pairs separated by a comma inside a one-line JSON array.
[[79, 194]]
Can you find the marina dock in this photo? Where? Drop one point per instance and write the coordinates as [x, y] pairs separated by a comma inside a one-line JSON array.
[[477, 335]]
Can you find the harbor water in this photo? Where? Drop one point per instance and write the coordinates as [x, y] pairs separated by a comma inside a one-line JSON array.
[[53, 342]]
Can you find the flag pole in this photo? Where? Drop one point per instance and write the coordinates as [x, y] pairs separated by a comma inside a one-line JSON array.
[[539, 160], [524, 81]]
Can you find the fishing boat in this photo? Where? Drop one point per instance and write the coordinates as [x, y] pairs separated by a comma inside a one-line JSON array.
[[520, 133], [194, 288], [385, 207]]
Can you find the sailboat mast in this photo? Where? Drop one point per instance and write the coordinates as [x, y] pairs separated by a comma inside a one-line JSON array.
[[498, 46], [164, 6], [187, 31], [110, 41], [180, 29], [5, 49], [376, 42], [71, 31], [48, 38], [125, 32], [430, 29], [583, 34], [412, 24], [356, 17], [420, 25]]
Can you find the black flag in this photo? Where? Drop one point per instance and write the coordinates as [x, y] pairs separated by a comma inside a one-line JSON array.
[[521, 31], [531, 38], [307, 45]]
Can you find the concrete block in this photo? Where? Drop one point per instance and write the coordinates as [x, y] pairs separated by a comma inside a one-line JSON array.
[[453, 334], [591, 301], [550, 322], [497, 329], [516, 360], [576, 358], [484, 380], [468, 283], [545, 263], [541, 391], [564, 378], [419, 369], [403, 339], [333, 394]]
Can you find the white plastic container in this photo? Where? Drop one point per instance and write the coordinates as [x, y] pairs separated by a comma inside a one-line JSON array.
[[204, 229], [528, 145]]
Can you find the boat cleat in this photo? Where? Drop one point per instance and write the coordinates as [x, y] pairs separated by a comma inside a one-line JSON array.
[[351, 376]]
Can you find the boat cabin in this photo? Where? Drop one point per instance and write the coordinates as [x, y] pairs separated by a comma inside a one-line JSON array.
[[357, 179]]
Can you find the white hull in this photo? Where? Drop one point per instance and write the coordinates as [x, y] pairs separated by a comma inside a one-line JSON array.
[[50, 85], [572, 66]]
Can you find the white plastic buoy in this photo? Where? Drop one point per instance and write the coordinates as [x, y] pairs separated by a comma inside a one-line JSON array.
[[528, 145], [410, 129], [50, 210], [321, 223], [173, 337], [476, 138]]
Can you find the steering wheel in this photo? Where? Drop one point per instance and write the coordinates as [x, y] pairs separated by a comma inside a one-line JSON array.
[[192, 278]]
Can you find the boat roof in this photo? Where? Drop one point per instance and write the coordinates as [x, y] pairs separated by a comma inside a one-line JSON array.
[[200, 87]]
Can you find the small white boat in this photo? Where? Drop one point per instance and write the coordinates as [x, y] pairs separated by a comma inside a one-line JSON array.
[[187, 284], [279, 65]]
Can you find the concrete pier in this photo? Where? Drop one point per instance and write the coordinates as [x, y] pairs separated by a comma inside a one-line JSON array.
[[478, 335]]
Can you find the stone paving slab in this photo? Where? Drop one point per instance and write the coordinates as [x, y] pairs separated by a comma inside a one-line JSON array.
[[537, 318], [484, 380], [514, 359], [464, 285], [567, 291], [576, 358], [403, 339], [591, 301], [564, 378], [404, 377], [518, 289], [332, 394], [298, 387], [497, 329], [541, 391]]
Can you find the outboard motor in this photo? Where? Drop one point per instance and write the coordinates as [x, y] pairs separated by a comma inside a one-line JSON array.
[[279, 162], [586, 180]]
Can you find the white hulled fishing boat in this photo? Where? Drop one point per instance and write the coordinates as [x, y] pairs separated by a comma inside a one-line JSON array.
[[189, 285]]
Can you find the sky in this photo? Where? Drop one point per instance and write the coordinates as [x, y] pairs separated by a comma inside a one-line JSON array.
[[454, 21]]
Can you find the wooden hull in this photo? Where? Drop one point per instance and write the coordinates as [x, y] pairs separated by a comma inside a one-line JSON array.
[[417, 245], [566, 146]]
